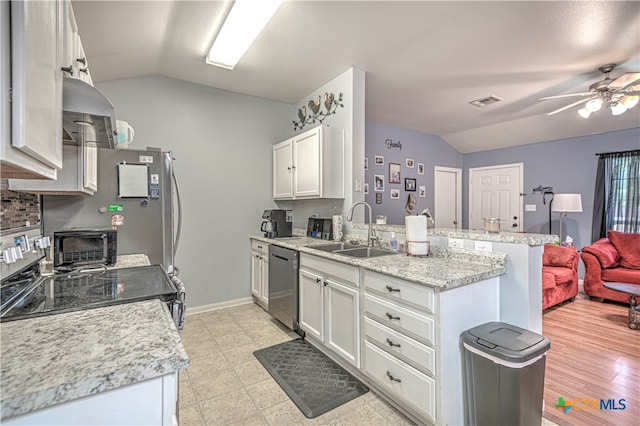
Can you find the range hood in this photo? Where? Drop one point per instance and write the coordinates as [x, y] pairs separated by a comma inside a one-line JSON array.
[[87, 115]]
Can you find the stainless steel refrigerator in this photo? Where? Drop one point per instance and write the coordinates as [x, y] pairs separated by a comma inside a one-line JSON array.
[[137, 194]]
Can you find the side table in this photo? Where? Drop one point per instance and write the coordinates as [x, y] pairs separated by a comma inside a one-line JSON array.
[[633, 290]]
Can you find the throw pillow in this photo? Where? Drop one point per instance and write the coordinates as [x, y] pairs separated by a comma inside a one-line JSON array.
[[605, 252], [561, 257], [628, 245]]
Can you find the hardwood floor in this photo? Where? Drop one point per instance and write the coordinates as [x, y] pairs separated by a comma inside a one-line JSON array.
[[594, 355]]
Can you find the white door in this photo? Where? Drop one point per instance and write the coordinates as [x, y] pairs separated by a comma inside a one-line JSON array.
[[342, 321], [447, 194], [256, 271], [495, 192], [311, 298], [264, 280]]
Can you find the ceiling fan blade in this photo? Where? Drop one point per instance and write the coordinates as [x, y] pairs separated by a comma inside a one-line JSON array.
[[566, 96], [581, 101], [624, 80]]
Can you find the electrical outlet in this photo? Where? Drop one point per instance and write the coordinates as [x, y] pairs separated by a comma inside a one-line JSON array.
[[483, 246], [456, 242], [530, 207]]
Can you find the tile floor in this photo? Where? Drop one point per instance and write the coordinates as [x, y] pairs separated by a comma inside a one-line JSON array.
[[226, 385]]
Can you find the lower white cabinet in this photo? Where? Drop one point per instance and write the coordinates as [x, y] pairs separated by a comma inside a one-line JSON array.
[[330, 306], [260, 272], [150, 402]]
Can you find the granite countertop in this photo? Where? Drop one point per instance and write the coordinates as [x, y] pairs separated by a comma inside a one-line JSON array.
[[471, 234], [444, 268], [44, 364]]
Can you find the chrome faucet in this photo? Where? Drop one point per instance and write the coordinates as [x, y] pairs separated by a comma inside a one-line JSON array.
[[371, 237]]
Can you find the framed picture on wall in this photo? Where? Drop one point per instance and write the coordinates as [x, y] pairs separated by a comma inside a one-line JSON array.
[[395, 194], [394, 173], [366, 188], [409, 163], [379, 198], [420, 168], [422, 191], [379, 160], [366, 163], [409, 184], [378, 183]]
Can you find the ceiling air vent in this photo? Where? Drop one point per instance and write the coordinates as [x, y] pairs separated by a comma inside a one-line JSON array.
[[482, 102]]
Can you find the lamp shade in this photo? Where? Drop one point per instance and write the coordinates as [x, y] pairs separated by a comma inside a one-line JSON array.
[[567, 203]]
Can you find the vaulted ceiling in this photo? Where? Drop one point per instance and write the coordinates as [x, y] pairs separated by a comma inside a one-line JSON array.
[[424, 60]]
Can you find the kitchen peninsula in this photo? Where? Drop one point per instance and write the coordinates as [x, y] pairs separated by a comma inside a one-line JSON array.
[[395, 320], [115, 365]]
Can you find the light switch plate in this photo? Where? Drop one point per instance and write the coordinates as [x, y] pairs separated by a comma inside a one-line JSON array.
[[483, 246], [358, 185], [530, 207], [456, 242]]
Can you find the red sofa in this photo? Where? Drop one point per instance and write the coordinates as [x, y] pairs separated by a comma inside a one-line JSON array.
[[559, 274], [613, 259]]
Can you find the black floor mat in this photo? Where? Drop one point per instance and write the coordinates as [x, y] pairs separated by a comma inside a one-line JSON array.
[[314, 382]]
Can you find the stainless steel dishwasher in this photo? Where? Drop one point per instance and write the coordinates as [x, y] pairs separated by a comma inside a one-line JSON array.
[[283, 285]]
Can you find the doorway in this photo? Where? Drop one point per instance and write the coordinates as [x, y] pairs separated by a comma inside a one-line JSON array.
[[447, 197], [495, 192]]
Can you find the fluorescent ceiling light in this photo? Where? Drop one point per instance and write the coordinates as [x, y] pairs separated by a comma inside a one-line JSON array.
[[245, 21]]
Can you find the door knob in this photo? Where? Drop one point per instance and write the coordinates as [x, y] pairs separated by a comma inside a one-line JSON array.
[[515, 225]]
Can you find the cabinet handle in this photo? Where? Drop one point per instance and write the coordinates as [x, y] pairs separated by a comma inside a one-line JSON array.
[[391, 289], [293, 167], [68, 69], [395, 379], [326, 283], [289, 168], [84, 70], [318, 280], [83, 61], [391, 317], [397, 345]]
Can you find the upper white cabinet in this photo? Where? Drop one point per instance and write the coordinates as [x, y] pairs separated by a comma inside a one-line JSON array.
[[310, 165], [74, 61], [31, 54]]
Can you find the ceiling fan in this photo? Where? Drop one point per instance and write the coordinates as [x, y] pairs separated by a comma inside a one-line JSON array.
[[618, 94]]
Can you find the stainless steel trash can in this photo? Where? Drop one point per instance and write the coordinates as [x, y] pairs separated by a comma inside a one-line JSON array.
[[504, 367]]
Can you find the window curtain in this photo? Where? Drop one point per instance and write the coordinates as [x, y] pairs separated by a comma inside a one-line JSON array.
[[616, 201]]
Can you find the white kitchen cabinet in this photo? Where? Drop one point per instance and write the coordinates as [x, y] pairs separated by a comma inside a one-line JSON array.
[[330, 306], [74, 60], [79, 175], [36, 55], [31, 111], [310, 165], [260, 272], [150, 402]]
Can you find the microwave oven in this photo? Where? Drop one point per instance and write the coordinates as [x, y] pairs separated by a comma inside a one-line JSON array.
[[83, 247]]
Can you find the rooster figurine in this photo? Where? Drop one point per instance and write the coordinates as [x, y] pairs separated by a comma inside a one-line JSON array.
[[302, 114], [328, 101], [315, 106]]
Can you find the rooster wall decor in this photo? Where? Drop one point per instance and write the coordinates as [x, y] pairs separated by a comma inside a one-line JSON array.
[[314, 112]]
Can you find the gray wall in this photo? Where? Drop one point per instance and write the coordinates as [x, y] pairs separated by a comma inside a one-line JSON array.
[[222, 143], [423, 148], [569, 165]]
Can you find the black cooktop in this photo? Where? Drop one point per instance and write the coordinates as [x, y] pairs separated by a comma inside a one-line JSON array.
[[66, 292]]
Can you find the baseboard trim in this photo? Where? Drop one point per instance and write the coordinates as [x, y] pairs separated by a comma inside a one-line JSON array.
[[215, 306]]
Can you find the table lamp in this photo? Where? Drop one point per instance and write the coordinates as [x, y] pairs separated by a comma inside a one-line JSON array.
[[565, 203]]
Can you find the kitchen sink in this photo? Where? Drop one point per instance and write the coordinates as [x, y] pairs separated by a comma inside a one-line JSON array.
[[364, 252], [335, 246]]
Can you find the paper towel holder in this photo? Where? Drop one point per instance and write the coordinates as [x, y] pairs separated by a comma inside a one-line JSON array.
[[406, 248]]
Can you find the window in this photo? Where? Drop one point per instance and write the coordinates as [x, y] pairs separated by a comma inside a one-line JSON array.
[[617, 194]]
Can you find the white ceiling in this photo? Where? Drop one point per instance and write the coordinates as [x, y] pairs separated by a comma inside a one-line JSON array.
[[424, 60]]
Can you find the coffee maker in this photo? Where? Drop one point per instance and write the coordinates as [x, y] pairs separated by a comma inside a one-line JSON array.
[[276, 223]]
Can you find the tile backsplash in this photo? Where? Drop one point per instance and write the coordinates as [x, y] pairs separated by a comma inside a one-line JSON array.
[[18, 208]]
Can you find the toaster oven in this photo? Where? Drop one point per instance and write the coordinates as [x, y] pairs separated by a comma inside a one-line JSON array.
[[82, 247]]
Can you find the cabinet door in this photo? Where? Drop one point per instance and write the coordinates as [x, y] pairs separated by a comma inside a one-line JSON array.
[[307, 160], [311, 304], [264, 280], [36, 46], [256, 271], [282, 170], [342, 318], [90, 165]]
